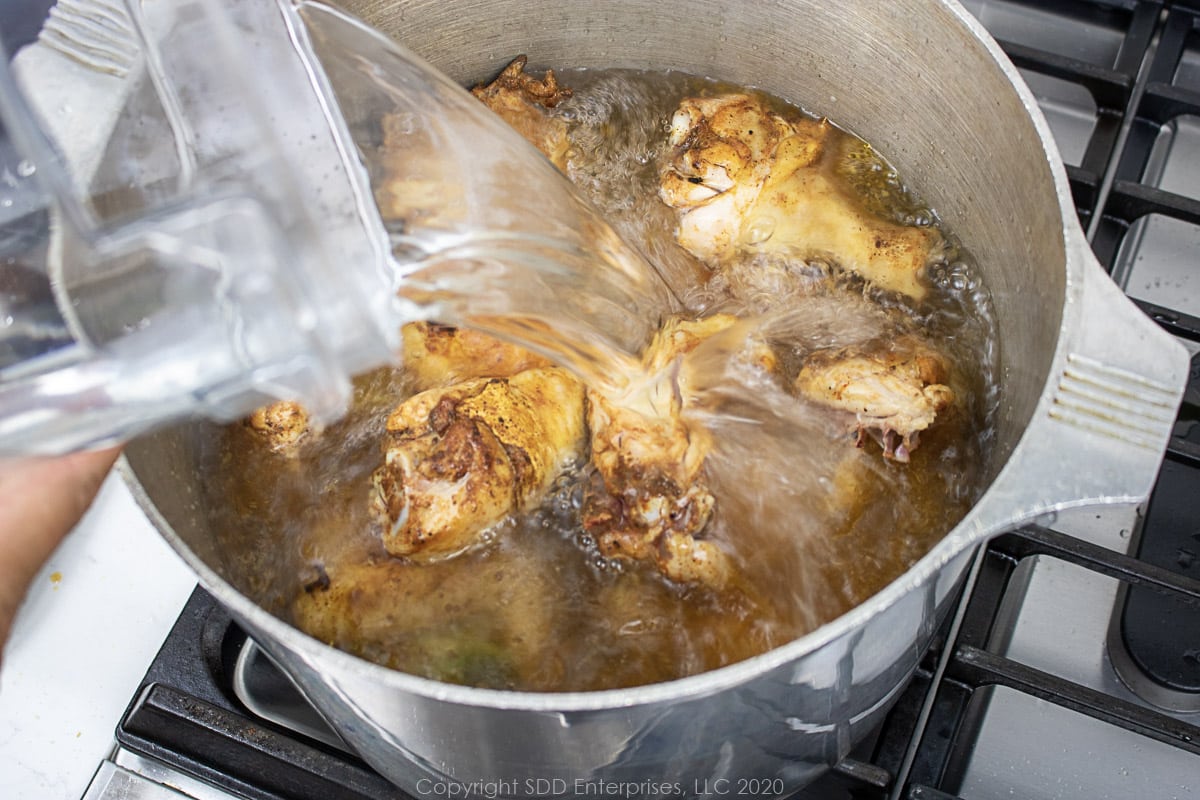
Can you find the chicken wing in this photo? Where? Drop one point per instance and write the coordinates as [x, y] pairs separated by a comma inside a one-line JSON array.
[[521, 100], [458, 460], [434, 356], [745, 181], [894, 390], [648, 502]]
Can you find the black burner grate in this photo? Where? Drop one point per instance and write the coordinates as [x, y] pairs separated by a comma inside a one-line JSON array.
[[186, 714], [919, 758], [1108, 75], [971, 667], [1171, 92]]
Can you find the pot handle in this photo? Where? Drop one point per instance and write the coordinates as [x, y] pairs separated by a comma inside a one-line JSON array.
[[1106, 415]]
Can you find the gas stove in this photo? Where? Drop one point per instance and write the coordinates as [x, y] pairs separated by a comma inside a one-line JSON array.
[[1070, 667]]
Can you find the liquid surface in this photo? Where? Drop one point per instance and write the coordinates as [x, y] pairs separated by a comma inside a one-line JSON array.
[[813, 524]]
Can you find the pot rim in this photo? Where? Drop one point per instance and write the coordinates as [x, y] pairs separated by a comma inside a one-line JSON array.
[[961, 536]]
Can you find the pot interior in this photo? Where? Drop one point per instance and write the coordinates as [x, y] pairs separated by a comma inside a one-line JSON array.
[[909, 77]]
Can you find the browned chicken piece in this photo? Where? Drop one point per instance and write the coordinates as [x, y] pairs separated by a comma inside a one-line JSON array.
[[485, 623], [282, 425], [458, 460], [414, 186], [894, 390], [521, 100], [442, 355], [650, 500], [746, 181]]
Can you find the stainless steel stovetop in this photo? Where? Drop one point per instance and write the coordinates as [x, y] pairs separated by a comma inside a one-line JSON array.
[[1071, 670]]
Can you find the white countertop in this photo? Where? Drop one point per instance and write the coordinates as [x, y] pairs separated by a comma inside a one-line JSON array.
[[95, 617]]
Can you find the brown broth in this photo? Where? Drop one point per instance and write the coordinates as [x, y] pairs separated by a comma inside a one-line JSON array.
[[535, 606]]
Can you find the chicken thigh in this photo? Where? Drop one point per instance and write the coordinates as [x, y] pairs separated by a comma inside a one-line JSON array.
[[649, 500], [488, 624], [746, 181], [458, 460]]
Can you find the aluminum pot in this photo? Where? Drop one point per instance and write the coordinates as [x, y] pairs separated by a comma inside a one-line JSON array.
[[1089, 390]]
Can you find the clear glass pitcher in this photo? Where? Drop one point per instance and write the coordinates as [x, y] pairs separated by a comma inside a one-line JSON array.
[[188, 225]]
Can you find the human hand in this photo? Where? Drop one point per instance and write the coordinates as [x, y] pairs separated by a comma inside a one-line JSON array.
[[41, 500]]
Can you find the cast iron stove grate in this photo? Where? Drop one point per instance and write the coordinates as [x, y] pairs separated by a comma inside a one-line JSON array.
[[1153, 205], [1082, 59], [186, 714]]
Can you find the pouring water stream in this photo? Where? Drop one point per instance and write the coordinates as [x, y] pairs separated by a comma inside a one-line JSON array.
[[241, 251]]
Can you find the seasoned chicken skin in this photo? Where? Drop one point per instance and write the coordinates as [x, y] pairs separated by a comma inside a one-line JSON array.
[[413, 183], [650, 500], [487, 626], [282, 426], [521, 100], [442, 355], [458, 460], [450, 470], [746, 181], [894, 390]]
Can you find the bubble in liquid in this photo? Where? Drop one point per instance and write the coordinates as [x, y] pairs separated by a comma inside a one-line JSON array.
[[760, 230], [25, 168], [405, 123]]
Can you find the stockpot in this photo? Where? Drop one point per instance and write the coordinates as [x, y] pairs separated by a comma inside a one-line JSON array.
[[1089, 388]]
